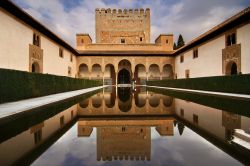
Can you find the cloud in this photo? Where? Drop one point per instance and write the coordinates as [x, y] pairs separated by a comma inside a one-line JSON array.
[[187, 17]]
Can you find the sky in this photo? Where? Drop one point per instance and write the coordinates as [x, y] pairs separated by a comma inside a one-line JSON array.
[[190, 18]]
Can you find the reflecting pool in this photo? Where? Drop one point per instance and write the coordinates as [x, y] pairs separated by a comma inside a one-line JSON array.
[[125, 126]]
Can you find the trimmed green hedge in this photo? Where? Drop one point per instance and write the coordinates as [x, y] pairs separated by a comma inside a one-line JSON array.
[[17, 85], [233, 105], [230, 84]]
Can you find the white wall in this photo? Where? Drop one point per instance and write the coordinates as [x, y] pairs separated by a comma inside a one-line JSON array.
[[52, 62], [208, 63], [14, 43], [14, 49], [243, 38]]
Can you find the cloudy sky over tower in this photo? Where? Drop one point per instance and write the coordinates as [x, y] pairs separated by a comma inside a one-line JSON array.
[[187, 17]]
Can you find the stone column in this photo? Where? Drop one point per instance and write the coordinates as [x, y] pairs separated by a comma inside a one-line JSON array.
[[90, 75], [116, 78], [102, 78]]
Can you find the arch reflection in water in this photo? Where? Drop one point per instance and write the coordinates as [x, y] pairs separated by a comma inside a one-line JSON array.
[[154, 100], [97, 100], [109, 96], [125, 99], [84, 103]]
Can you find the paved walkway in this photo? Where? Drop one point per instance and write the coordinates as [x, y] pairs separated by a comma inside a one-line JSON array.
[[11, 108], [233, 95]]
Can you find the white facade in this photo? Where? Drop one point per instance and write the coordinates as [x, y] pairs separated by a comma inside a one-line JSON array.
[[16, 36], [209, 61], [243, 37], [53, 63], [15, 39], [14, 49]]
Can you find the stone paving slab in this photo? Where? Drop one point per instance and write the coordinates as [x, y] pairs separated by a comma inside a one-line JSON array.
[[8, 109], [233, 95]]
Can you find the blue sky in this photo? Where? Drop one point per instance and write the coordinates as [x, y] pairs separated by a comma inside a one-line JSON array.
[[190, 18]]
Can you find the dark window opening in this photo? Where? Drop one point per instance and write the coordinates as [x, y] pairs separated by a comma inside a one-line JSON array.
[[69, 71], [195, 119], [182, 59], [122, 40], [35, 67], [233, 69], [36, 40], [61, 121], [182, 112], [71, 58], [123, 129], [38, 136], [167, 41], [231, 39], [140, 38], [187, 73], [61, 52], [195, 53], [82, 41]]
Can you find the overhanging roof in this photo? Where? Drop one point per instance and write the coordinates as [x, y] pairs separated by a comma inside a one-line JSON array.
[[125, 53]]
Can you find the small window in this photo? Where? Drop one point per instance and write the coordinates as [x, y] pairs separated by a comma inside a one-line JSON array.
[[141, 39], [82, 41], [38, 136], [195, 119], [231, 39], [61, 121], [71, 58], [187, 73], [167, 41], [72, 114], [122, 40], [69, 71], [182, 112], [61, 52], [195, 53], [36, 40], [181, 58]]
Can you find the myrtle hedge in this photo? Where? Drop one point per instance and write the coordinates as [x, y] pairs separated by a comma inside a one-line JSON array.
[[230, 84], [17, 85]]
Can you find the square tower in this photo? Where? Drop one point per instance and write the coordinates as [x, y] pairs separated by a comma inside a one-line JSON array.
[[122, 26]]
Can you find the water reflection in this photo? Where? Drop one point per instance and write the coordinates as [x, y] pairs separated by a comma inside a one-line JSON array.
[[125, 98], [125, 101], [124, 139], [159, 129]]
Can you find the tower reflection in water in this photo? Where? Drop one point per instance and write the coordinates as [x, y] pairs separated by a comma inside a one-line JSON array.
[[124, 139]]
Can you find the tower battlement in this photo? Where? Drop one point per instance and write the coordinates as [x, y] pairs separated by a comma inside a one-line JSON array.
[[123, 11], [122, 26]]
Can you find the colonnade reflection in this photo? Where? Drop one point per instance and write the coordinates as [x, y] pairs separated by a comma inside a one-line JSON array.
[[125, 100]]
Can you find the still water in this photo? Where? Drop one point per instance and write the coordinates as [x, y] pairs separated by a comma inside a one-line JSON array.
[[121, 126]]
